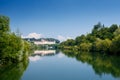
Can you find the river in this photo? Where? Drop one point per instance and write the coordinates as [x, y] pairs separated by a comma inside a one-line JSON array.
[[65, 65]]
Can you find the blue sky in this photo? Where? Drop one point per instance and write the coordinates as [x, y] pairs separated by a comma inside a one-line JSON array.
[[59, 18]]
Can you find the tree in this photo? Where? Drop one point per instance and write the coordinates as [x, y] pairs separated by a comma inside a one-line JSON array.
[[70, 42], [80, 39], [101, 39], [85, 46], [117, 32], [97, 27], [115, 47], [90, 38], [104, 33], [4, 24], [113, 27], [11, 45], [103, 45]]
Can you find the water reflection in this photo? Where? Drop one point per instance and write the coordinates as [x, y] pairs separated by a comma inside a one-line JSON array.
[[61, 55], [38, 54], [34, 58], [45, 52], [14, 71], [101, 63]]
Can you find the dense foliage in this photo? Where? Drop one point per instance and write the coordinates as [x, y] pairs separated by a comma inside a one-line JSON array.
[[101, 39], [12, 47]]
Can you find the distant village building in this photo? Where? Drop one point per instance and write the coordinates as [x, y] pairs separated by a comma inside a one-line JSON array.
[[42, 42]]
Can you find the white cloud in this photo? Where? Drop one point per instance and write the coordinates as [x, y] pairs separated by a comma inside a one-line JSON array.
[[33, 35], [62, 38]]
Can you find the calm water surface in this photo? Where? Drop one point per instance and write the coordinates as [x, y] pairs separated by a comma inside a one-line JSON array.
[[66, 65], [61, 66]]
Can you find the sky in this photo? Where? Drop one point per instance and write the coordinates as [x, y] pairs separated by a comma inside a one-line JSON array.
[[60, 19]]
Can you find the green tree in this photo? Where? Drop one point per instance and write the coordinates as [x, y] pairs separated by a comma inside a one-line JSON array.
[[97, 27], [101, 39], [12, 47], [113, 27], [85, 46], [90, 38], [103, 45], [80, 39], [115, 47], [4, 24], [70, 42], [117, 32]]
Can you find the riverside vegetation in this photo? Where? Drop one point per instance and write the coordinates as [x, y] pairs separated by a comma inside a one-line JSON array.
[[101, 39], [101, 64], [13, 48], [84, 53]]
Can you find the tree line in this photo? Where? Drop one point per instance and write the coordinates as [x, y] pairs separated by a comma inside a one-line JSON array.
[[101, 39], [12, 48]]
